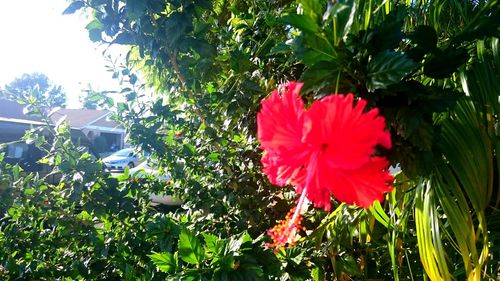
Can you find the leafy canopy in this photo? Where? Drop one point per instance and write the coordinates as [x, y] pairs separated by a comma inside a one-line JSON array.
[[37, 85]]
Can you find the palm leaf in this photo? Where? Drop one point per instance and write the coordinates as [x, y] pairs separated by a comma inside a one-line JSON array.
[[432, 253], [463, 180]]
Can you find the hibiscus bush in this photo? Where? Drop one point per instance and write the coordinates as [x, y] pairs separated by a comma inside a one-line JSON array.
[[279, 122]]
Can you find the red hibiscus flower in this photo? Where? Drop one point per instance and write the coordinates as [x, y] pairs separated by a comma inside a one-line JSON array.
[[324, 151]]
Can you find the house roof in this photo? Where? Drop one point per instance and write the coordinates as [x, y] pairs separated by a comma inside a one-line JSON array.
[[105, 122], [81, 118], [14, 112]]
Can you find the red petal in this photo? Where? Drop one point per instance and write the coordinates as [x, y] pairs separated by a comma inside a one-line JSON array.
[[364, 185], [280, 123], [281, 119], [346, 135], [282, 169], [315, 180]]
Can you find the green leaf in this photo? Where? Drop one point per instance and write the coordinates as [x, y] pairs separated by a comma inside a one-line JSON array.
[[73, 7], [210, 242], [444, 63], [430, 246], [280, 48], [312, 49], [29, 191], [425, 37], [485, 23], [124, 38], [95, 35], [214, 156], [190, 249], [132, 79], [156, 6], [236, 242], [349, 265], [318, 274], [387, 35], [95, 24], [312, 8], [343, 14], [379, 214], [164, 261], [136, 8], [293, 254], [319, 75], [188, 149], [388, 68], [220, 275], [16, 170], [301, 22]]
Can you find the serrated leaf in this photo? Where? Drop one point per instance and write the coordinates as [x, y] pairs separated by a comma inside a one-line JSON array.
[[388, 68], [73, 7], [319, 52], [190, 249], [163, 261], [235, 243], [319, 75], [210, 242]]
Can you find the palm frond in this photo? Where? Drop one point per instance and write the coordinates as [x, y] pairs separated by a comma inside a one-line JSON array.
[[463, 182]]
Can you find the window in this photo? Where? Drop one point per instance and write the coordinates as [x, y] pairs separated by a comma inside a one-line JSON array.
[[18, 150]]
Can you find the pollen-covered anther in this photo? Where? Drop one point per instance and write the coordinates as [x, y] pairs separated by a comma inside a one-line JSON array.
[[286, 232]]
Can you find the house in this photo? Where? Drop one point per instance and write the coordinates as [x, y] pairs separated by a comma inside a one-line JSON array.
[[14, 123], [88, 128], [104, 133]]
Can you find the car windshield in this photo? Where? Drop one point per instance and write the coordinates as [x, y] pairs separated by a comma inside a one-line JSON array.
[[123, 153]]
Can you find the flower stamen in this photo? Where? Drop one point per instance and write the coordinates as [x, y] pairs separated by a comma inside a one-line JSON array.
[[285, 233]]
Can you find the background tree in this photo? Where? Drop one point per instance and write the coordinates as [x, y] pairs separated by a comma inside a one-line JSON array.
[[38, 85]]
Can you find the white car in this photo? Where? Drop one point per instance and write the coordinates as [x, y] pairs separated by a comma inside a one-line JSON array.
[[121, 159], [145, 170]]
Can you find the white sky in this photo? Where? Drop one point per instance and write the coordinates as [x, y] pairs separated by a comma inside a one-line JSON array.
[[36, 37]]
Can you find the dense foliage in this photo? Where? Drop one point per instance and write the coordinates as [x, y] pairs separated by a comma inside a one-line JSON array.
[[431, 67]]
